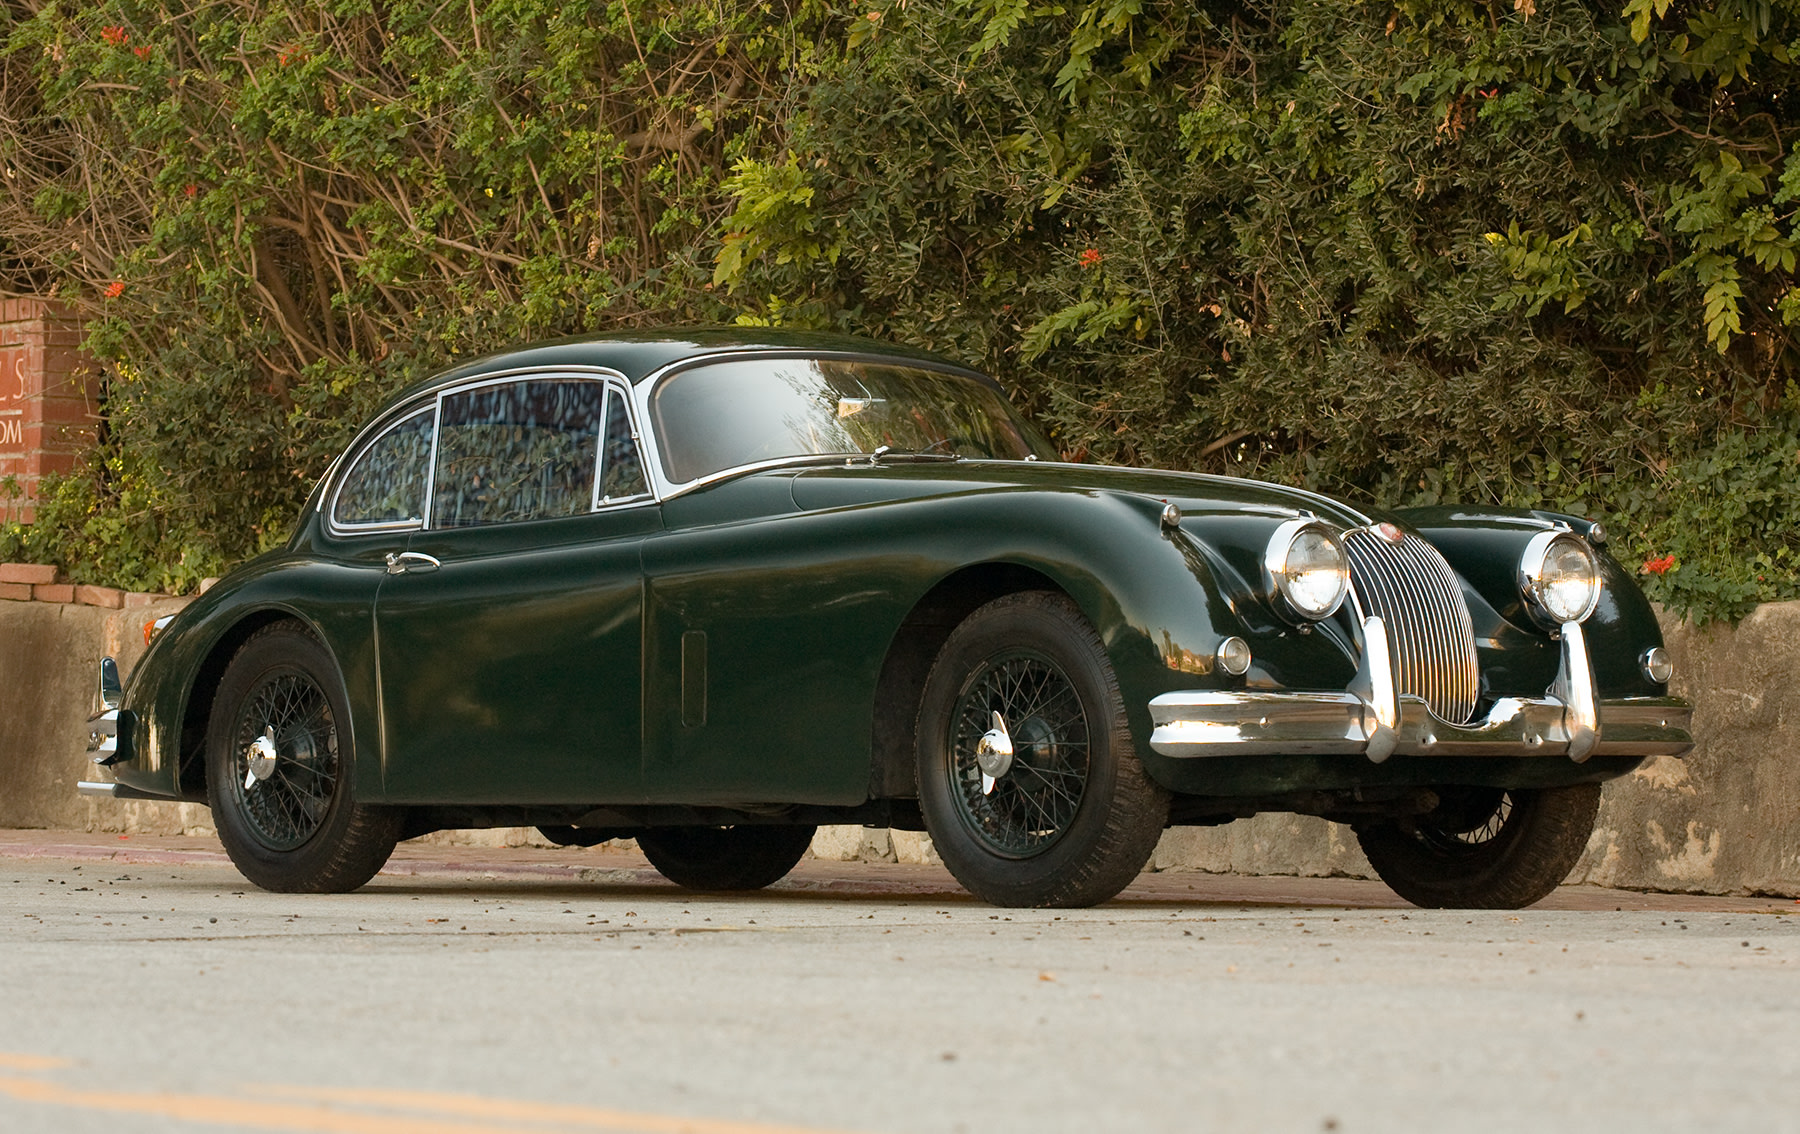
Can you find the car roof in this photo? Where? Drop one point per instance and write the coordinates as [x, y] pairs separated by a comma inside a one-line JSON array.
[[639, 354]]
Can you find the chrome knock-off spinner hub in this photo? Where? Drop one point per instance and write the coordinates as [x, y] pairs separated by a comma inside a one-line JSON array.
[[994, 754], [259, 758]]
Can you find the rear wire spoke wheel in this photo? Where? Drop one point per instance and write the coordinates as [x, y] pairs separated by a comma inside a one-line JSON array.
[[1067, 817], [279, 770], [745, 857], [1484, 848]]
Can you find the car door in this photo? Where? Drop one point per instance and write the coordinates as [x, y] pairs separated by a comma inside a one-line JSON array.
[[377, 504], [509, 635]]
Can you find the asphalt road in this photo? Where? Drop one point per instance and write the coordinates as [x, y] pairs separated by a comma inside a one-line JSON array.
[[146, 987]]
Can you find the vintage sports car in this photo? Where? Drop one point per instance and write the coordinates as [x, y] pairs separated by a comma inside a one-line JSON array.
[[710, 589]]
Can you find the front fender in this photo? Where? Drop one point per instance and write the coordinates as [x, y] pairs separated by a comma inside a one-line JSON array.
[[170, 689]]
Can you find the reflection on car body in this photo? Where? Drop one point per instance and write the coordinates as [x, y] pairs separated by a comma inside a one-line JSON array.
[[710, 589]]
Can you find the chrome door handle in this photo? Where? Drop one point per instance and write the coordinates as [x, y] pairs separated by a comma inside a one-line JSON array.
[[410, 563]]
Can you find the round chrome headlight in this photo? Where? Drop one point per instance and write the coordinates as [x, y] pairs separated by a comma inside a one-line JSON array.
[[1307, 570], [1559, 577]]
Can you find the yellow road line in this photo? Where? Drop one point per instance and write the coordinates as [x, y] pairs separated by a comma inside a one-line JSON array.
[[518, 1110], [306, 1118], [466, 1113], [14, 1061]]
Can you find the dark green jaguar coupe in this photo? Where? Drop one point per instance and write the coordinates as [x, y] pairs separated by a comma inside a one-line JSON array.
[[711, 589]]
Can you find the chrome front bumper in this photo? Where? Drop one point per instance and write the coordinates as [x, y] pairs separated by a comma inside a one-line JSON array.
[[1372, 720]]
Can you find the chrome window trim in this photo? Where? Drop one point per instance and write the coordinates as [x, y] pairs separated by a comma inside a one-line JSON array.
[[433, 400], [329, 503], [622, 391], [646, 388]]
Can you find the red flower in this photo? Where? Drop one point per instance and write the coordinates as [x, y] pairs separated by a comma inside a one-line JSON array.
[[114, 35], [1090, 257], [115, 289], [1659, 566], [190, 189], [142, 52]]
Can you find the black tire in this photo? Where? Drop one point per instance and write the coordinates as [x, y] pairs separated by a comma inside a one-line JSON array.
[[300, 830], [1074, 819], [1484, 848], [725, 858]]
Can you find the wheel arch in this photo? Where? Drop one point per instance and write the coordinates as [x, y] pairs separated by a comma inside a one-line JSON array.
[[203, 688], [910, 655]]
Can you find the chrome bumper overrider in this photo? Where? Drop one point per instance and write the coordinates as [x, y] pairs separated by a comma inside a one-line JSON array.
[[104, 735], [1371, 719], [109, 732]]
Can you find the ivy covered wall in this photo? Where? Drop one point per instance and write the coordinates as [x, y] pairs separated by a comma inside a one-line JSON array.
[[1539, 252]]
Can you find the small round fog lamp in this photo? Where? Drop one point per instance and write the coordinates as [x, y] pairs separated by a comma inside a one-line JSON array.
[[1657, 665], [1233, 656]]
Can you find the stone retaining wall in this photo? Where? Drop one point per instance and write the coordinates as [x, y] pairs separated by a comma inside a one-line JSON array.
[[1725, 820]]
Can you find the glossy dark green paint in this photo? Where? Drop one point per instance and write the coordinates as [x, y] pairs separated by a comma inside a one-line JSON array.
[[510, 673], [725, 646]]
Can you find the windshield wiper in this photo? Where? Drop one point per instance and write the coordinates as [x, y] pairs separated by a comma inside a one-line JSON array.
[[887, 454]]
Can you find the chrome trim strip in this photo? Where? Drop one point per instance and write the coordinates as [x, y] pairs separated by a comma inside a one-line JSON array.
[[337, 490], [607, 394], [378, 428], [121, 791], [1199, 723]]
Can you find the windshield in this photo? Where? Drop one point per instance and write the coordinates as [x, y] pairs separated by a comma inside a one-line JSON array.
[[729, 414]]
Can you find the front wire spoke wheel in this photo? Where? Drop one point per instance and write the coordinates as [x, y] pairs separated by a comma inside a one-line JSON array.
[[1490, 827], [280, 769], [1029, 779], [1484, 848], [1037, 798], [287, 807]]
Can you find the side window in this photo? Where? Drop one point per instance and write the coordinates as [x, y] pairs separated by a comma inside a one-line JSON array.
[[387, 483], [518, 451], [622, 473]]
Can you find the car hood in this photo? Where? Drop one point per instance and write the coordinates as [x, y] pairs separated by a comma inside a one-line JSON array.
[[1196, 494]]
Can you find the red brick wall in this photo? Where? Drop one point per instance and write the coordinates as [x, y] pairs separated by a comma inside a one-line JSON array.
[[47, 398]]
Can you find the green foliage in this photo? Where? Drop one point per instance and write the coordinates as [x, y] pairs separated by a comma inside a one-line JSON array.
[[1538, 253], [274, 215]]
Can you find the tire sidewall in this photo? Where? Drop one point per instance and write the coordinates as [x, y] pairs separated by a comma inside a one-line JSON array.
[[284, 649]]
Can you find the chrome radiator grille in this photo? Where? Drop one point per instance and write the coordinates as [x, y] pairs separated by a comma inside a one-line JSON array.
[[1410, 586]]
